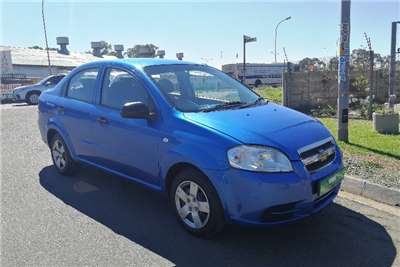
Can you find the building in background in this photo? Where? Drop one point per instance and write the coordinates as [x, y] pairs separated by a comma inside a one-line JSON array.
[[21, 66], [32, 63]]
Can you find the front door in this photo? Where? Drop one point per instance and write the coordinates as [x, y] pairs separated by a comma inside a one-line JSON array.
[[128, 146]]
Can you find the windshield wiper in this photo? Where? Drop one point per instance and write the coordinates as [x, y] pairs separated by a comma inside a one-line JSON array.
[[257, 102], [222, 106]]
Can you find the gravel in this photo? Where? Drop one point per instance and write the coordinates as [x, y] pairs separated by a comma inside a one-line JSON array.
[[385, 172]]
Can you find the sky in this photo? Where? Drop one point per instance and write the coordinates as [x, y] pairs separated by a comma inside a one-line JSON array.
[[207, 32]]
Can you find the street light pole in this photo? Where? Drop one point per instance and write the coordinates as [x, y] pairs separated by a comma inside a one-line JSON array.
[[343, 73], [276, 32]]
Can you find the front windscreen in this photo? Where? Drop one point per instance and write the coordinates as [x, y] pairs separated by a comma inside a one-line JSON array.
[[194, 88]]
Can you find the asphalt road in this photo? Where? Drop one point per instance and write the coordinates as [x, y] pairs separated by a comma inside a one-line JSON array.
[[103, 220]]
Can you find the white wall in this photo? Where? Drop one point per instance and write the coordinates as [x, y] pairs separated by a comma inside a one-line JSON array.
[[38, 72]]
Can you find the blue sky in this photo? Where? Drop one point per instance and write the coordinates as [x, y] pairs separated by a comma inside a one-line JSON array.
[[206, 31]]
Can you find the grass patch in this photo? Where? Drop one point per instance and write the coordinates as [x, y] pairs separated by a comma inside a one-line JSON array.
[[273, 94], [363, 140]]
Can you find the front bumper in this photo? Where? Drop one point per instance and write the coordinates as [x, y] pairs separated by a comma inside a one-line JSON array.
[[18, 96], [273, 198]]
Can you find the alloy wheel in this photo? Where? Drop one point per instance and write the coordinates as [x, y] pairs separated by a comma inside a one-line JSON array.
[[34, 98], [192, 204], [58, 153]]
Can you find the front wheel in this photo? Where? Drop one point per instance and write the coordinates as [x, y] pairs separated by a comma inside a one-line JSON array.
[[32, 98], [61, 156], [196, 203]]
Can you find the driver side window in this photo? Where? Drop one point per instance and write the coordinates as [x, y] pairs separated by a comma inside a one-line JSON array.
[[120, 87]]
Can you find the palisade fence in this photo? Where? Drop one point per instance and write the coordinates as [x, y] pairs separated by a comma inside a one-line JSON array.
[[9, 81], [307, 91]]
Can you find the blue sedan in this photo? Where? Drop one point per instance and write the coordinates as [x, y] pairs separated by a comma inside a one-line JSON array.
[[220, 152]]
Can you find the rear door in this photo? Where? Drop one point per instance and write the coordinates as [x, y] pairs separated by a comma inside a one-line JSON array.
[[76, 109]]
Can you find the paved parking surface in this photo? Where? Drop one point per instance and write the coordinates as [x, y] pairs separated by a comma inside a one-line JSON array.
[[103, 220]]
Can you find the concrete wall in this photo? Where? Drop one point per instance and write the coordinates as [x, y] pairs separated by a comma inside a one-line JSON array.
[[307, 90]]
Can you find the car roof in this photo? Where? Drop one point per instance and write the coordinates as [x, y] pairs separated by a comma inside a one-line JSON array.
[[139, 63]]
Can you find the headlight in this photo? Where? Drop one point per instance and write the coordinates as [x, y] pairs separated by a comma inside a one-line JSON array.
[[259, 159]]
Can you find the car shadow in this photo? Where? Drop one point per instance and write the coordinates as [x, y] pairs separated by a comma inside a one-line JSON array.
[[337, 236], [21, 104]]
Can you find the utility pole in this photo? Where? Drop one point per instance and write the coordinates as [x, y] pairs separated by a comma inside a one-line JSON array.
[[246, 39], [371, 75], [244, 60], [45, 37], [392, 68], [343, 73], [286, 58]]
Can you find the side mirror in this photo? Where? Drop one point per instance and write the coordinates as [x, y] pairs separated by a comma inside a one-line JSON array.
[[136, 110]]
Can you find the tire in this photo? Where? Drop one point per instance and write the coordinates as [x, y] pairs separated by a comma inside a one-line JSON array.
[[61, 156], [206, 199], [32, 98], [257, 83]]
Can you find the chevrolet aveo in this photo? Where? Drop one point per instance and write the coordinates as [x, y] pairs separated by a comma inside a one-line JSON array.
[[220, 152]]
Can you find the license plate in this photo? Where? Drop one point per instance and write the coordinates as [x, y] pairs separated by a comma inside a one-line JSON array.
[[330, 182]]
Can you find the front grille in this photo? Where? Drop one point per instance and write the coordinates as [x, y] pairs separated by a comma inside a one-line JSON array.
[[318, 155]]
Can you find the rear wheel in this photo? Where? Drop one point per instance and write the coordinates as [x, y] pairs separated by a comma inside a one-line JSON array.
[[61, 156], [32, 98], [196, 203]]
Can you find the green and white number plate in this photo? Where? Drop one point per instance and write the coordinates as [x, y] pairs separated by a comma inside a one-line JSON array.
[[330, 182]]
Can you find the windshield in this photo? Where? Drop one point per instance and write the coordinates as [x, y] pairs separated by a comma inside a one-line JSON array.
[[195, 88], [42, 81]]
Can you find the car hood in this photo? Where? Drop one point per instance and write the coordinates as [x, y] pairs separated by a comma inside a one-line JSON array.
[[24, 87], [269, 124]]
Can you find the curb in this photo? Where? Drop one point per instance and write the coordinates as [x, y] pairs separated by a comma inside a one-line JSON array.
[[371, 190]]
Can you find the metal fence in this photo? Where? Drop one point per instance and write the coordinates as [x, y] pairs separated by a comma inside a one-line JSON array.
[[9, 81]]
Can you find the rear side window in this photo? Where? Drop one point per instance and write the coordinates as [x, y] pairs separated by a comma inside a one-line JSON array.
[[120, 87], [82, 85]]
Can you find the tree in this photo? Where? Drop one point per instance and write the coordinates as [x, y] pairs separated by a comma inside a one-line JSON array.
[[147, 50], [359, 60], [333, 64], [311, 64], [41, 48]]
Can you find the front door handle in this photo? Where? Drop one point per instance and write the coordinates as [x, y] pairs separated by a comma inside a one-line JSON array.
[[102, 120]]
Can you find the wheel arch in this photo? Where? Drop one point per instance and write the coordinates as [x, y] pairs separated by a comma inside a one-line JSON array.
[[50, 134], [179, 166], [52, 130], [28, 94], [33, 92], [175, 169]]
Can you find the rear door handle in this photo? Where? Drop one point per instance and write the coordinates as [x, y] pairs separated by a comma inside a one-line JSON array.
[[102, 120], [52, 105]]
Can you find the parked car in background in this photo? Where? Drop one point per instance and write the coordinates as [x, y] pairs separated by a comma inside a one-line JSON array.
[[220, 152], [30, 93]]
